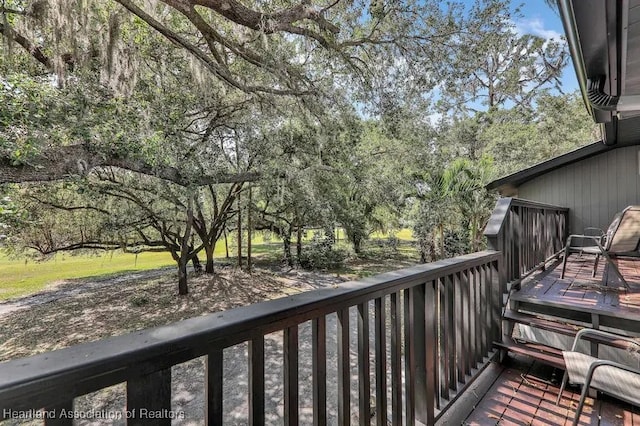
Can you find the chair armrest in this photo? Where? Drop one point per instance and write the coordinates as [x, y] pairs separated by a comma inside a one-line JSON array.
[[603, 362], [596, 240], [590, 331], [586, 237], [591, 228], [606, 363]]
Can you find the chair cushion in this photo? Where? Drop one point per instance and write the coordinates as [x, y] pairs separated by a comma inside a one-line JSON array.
[[591, 250], [625, 237], [613, 381]]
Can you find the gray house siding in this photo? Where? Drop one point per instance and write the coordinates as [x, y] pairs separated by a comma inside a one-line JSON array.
[[594, 189]]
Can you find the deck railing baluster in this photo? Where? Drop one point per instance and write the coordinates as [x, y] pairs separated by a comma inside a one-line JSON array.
[[480, 331], [409, 358], [461, 348], [396, 359], [417, 308], [381, 361], [59, 415], [431, 353], [496, 303], [319, 376], [344, 373], [467, 336], [256, 381], [290, 376], [147, 394], [213, 387], [451, 333], [443, 354], [482, 317], [364, 365]]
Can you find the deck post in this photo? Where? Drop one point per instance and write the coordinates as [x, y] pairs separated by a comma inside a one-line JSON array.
[[57, 419], [149, 393]]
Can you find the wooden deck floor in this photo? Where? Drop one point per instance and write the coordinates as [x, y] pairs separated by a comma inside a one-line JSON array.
[[580, 292], [525, 394]]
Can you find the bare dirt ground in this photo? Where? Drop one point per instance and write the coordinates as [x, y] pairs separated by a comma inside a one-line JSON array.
[[84, 310], [78, 311]]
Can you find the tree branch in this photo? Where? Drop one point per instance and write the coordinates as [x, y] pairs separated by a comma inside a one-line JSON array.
[[266, 22], [29, 46], [77, 160], [152, 246], [222, 72]]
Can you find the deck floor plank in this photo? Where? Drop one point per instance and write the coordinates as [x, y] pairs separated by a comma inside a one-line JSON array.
[[524, 394], [490, 410], [612, 414], [579, 291], [635, 416]]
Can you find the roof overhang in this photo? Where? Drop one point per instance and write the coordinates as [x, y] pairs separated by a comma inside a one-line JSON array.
[[604, 42], [508, 184]]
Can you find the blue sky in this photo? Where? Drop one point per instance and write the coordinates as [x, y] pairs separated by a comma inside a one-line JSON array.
[[542, 21]]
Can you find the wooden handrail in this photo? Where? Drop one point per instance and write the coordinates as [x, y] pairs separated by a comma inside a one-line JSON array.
[[527, 233], [427, 302], [537, 205]]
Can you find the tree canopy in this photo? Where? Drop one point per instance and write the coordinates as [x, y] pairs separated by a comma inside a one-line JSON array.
[[140, 124]]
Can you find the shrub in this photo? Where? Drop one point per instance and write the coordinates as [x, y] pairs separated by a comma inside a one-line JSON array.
[[320, 254], [322, 257], [139, 300]]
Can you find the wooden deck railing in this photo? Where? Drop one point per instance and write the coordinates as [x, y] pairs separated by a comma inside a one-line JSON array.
[[441, 319], [527, 233]]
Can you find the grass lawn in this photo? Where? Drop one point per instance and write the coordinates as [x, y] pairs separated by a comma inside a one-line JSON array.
[[26, 276]]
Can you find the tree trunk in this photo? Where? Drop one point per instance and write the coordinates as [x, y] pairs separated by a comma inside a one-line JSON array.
[[197, 266], [357, 246], [355, 238], [226, 243], [239, 232], [423, 255], [185, 251], [249, 232], [299, 243], [356, 242], [208, 267], [183, 289], [286, 242]]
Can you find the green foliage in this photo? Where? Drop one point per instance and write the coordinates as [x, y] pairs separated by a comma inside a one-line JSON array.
[[139, 300], [320, 253], [354, 143], [7, 216], [495, 66], [516, 140], [450, 203]]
